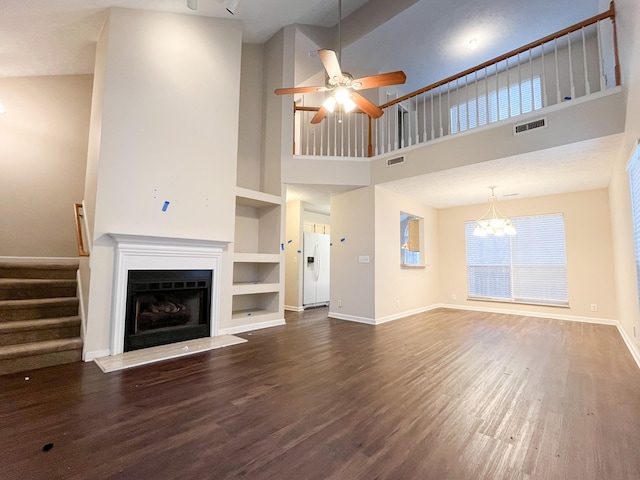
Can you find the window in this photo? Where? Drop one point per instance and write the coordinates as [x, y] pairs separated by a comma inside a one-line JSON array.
[[634, 179], [410, 239], [519, 98], [529, 267]]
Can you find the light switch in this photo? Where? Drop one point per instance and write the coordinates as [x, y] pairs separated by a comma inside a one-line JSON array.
[[363, 259]]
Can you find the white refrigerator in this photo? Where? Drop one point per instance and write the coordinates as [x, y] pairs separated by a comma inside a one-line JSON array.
[[316, 252]]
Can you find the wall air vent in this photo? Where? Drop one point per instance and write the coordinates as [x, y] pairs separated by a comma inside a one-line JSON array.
[[526, 127], [395, 161]]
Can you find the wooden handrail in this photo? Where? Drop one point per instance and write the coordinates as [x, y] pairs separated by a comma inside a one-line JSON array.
[[585, 23], [82, 252]]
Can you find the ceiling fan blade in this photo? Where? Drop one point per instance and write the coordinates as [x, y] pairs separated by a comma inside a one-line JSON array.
[[330, 62], [320, 115], [381, 80], [366, 106], [286, 91]]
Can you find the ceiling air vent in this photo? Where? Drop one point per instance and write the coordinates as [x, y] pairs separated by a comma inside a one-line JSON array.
[[526, 127], [395, 161]]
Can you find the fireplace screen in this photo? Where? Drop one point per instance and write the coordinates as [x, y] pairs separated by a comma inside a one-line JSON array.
[[167, 306]]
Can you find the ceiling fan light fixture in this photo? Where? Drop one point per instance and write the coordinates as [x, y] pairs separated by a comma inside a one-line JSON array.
[[348, 104], [192, 4], [330, 104], [341, 94]]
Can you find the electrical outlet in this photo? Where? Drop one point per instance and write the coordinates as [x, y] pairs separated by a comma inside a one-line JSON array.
[[634, 332], [397, 302], [454, 296], [339, 303], [594, 307]]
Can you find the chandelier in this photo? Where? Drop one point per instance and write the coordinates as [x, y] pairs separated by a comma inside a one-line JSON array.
[[493, 221]]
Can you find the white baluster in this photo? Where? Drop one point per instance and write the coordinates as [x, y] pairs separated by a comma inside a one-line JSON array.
[[533, 103], [558, 92], [520, 106], [440, 110], [603, 80], [587, 86], [544, 79], [433, 125], [573, 87]]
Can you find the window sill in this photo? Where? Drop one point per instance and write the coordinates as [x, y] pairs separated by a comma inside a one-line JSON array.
[[409, 265], [514, 302]]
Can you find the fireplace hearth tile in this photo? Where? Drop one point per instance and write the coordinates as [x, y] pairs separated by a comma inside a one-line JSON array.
[[137, 358]]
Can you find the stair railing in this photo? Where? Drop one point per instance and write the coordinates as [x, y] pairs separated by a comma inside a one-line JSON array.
[[575, 62], [79, 216]]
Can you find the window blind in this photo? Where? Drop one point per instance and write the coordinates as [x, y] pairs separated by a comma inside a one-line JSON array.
[[529, 267], [503, 104], [634, 180]]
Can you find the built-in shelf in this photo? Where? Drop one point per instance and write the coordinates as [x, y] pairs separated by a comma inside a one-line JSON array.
[[258, 220], [255, 305], [257, 258], [246, 288], [255, 272]]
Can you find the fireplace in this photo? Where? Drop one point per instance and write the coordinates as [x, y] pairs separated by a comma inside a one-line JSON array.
[[149, 255], [166, 306]]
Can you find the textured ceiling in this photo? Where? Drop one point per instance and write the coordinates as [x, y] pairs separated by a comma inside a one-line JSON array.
[[579, 166], [55, 37]]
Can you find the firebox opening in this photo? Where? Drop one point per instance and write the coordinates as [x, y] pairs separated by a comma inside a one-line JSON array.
[[167, 306]]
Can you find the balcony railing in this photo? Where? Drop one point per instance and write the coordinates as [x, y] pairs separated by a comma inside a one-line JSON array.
[[576, 62]]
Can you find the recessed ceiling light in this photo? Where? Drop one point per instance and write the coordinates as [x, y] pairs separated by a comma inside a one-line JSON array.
[[2, 109], [473, 43]]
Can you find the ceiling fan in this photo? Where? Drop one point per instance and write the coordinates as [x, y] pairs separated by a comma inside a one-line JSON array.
[[344, 86]]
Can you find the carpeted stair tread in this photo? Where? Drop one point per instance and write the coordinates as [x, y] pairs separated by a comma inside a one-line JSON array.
[[40, 330], [25, 288], [38, 269], [19, 310], [38, 324], [39, 348]]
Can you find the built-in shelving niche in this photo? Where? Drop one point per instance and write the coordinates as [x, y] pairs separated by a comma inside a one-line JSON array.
[[252, 305]]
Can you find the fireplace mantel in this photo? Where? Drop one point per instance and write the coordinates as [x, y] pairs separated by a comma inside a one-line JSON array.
[[140, 252]]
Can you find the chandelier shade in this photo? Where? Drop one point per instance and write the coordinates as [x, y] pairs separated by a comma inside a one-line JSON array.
[[493, 222]]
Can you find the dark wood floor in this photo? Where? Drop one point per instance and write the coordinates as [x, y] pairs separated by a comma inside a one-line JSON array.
[[442, 395]]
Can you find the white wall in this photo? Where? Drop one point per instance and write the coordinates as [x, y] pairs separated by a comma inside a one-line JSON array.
[[353, 283], [251, 116], [590, 272], [402, 290], [43, 148], [166, 134], [569, 123], [293, 259], [628, 22]]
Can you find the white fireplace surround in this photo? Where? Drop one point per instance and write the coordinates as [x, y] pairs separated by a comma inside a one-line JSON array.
[[139, 252]]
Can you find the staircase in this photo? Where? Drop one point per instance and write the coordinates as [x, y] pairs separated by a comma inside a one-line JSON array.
[[39, 322]]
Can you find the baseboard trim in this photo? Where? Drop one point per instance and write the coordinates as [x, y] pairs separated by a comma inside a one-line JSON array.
[[352, 318], [289, 308], [91, 356], [398, 316], [251, 327], [633, 350], [635, 353]]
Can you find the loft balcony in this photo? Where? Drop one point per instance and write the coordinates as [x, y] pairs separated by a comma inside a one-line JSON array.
[[576, 68]]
